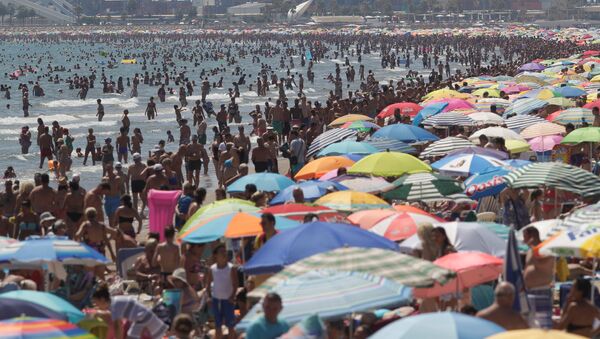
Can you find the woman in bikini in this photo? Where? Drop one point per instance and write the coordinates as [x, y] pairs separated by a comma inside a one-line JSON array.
[[194, 265], [125, 215], [27, 221], [73, 206], [94, 234], [579, 314]]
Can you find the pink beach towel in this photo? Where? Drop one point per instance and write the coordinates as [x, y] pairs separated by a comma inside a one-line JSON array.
[[161, 205]]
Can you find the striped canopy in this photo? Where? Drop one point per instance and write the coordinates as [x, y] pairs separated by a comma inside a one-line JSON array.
[[329, 137], [403, 269], [525, 106], [33, 328], [384, 144], [425, 187], [520, 122], [444, 146], [449, 119], [583, 218], [557, 175], [584, 244]]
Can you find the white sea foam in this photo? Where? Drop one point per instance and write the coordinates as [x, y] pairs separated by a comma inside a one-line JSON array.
[[125, 103]]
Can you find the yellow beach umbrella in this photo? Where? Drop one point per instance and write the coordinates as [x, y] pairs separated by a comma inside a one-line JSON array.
[[517, 146], [445, 93], [535, 333], [349, 118], [583, 244], [389, 164], [492, 93]]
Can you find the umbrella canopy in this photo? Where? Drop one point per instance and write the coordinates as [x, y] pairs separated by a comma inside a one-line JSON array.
[[585, 244], [556, 175], [387, 144], [532, 66], [496, 132], [332, 295], [575, 116], [546, 228], [329, 137], [351, 201], [454, 104], [542, 129], [424, 187], [349, 118], [444, 146], [570, 91], [586, 134], [360, 125], [371, 185], [535, 333], [472, 269], [41, 250], [491, 93], [33, 328], [544, 143], [405, 133], [389, 164], [591, 105], [487, 183], [12, 308], [445, 93], [583, 218], [367, 218], [525, 106], [48, 300], [313, 190], [465, 164], [486, 118], [266, 182], [401, 225], [447, 325], [217, 208], [480, 151], [316, 168], [429, 110], [233, 225], [403, 269], [466, 236], [449, 119], [309, 239], [299, 211], [348, 147], [520, 122], [406, 108], [517, 146], [561, 101]]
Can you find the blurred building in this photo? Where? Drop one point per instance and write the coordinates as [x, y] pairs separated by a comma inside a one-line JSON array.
[[146, 7]]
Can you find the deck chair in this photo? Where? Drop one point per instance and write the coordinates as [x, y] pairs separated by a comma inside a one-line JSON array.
[[126, 258]]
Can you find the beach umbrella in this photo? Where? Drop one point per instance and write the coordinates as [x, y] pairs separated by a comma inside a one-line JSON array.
[[445, 93], [424, 187], [348, 147], [12, 308], [490, 182], [583, 218], [496, 132], [429, 110], [309, 239], [329, 137], [591, 105], [233, 226], [316, 168], [4, 241], [546, 228], [449, 119], [583, 244], [360, 125], [476, 150], [371, 185], [401, 225], [513, 89], [389, 164], [540, 93], [560, 101], [453, 104], [525, 106], [465, 164], [387, 144], [493, 93], [535, 333], [466, 236], [486, 118], [48, 300], [579, 135], [529, 77], [444, 146], [299, 211], [403, 269], [520, 122], [447, 325], [349, 118], [406, 108], [367, 218], [485, 104], [33, 328], [556, 175], [332, 295], [544, 143], [216, 208], [576, 116], [312, 190], [542, 129], [351, 201], [517, 146], [472, 269], [266, 182], [405, 133], [570, 91], [532, 67]]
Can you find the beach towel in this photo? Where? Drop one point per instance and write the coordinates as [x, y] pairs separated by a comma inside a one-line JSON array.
[[125, 307], [540, 301], [161, 205]]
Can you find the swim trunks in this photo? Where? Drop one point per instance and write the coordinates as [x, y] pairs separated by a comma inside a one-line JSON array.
[[137, 186]]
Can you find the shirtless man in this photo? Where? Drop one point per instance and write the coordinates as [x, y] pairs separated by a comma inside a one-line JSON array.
[[538, 274], [151, 111], [46, 146], [177, 162], [43, 197], [242, 141], [93, 198], [90, 147], [124, 184], [100, 110], [167, 256], [73, 205], [146, 272], [136, 141], [155, 181], [198, 112], [501, 311], [261, 156], [112, 199], [195, 155], [184, 132], [138, 181], [94, 233], [123, 145], [125, 120]]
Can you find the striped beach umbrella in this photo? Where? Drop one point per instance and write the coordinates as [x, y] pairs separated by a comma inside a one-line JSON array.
[[496, 132], [425, 187], [542, 129], [33, 328], [403, 269], [385, 144], [576, 116], [584, 244], [360, 125], [373, 185], [401, 225], [485, 104], [449, 119], [329, 137], [583, 219], [486, 118], [444, 146], [525, 106], [520, 122], [556, 175]]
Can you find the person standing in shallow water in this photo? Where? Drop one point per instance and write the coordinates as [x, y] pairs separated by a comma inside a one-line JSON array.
[[151, 111], [100, 110]]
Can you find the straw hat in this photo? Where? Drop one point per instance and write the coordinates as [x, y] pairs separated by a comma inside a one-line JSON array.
[[178, 274]]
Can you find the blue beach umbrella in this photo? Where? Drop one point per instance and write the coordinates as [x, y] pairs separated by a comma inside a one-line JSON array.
[[487, 183], [42, 250], [348, 147], [48, 300], [308, 239], [466, 164], [267, 182], [447, 325], [384, 144], [13, 308], [525, 106], [312, 189], [428, 111], [570, 91], [404, 133]]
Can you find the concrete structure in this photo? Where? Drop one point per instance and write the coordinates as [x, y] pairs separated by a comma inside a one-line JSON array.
[[298, 11], [248, 9], [56, 11], [148, 7]]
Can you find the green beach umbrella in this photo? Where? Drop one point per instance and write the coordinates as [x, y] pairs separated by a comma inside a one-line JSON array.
[[424, 187], [586, 134]]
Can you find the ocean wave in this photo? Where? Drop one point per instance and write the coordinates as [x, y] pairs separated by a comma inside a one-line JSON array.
[[7, 121], [125, 103]]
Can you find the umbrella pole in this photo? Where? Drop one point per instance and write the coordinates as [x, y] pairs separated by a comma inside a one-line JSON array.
[[594, 266]]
